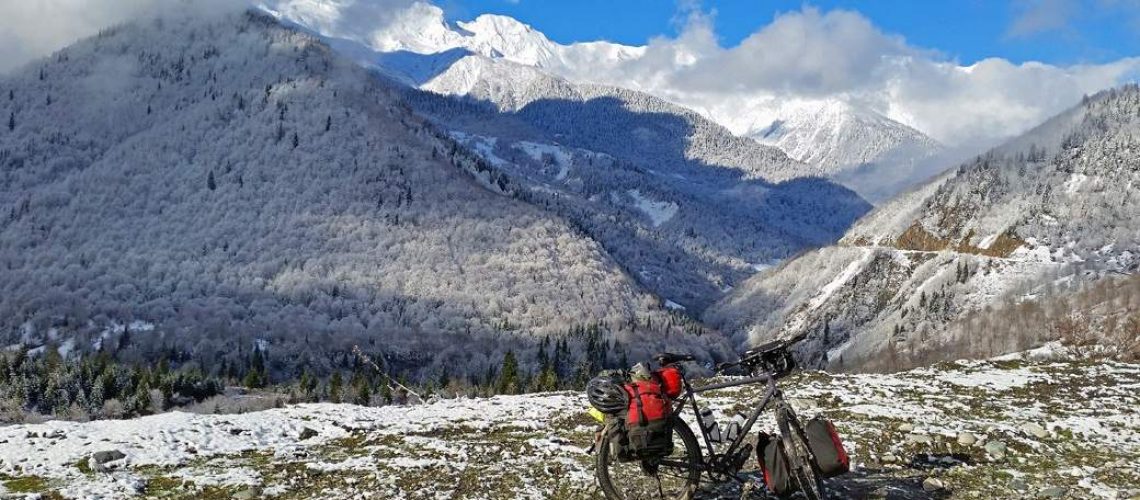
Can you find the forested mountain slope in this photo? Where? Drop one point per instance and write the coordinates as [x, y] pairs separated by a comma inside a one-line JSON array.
[[686, 207], [507, 62], [1035, 218], [230, 182]]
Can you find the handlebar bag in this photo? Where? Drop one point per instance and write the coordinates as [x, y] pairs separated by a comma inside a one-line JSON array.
[[774, 464], [670, 378], [830, 457], [648, 427]]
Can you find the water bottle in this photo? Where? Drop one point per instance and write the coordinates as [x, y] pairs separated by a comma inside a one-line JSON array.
[[708, 423], [734, 427]]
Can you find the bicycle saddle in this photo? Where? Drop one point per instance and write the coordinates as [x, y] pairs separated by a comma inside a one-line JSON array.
[[668, 358]]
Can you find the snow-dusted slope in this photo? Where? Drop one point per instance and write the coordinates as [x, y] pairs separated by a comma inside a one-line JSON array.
[[872, 154], [832, 136], [229, 179], [1048, 211], [1014, 428], [736, 201], [421, 28]]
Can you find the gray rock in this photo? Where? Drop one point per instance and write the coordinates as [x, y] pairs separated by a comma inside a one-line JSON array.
[[1035, 430], [1053, 492], [967, 439], [888, 459], [996, 450], [248, 494], [906, 427], [919, 438], [881, 492], [1018, 484], [102, 457], [932, 484], [307, 433]]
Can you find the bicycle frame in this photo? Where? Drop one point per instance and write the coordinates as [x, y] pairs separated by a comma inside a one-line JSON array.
[[690, 398]]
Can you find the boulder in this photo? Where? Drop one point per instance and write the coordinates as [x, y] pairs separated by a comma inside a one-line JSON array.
[[102, 457], [1035, 430], [996, 450], [967, 439], [932, 484]]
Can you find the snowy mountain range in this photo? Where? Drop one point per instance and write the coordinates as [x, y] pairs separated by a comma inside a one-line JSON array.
[[709, 205], [918, 278], [493, 57], [231, 182]]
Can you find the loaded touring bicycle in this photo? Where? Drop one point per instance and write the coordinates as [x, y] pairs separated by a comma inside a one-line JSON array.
[[645, 450]]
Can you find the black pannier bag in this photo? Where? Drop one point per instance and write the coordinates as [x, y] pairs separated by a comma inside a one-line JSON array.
[[774, 464], [655, 439], [830, 457], [619, 445]]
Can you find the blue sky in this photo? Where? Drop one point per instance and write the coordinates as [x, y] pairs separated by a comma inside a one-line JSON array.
[[1061, 32]]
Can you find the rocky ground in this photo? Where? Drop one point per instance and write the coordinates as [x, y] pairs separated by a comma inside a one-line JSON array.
[[1015, 427]]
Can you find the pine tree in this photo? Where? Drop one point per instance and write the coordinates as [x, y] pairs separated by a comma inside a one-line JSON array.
[[296, 140], [362, 392], [334, 387], [386, 393], [11, 121], [509, 375], [210, 183], [444, 378], [328, 123]]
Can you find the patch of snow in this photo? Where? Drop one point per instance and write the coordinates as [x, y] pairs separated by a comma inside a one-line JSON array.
[[659, 212], [849, 272], [562, 158], [1075, 182], [669, 304]]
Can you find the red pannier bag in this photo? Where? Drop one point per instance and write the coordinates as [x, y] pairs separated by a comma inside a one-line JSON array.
[[670, 378], [774, 464], [830, 457], [648, 426]]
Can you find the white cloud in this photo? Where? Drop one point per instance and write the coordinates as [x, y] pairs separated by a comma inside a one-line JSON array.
[[30, 29], [810, 53]]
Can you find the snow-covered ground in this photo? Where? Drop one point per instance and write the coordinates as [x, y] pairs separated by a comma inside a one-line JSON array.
[[1009, 428]]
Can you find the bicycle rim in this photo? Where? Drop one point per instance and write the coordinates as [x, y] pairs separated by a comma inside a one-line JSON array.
[[803, 469], [805, 473], [652, 479]]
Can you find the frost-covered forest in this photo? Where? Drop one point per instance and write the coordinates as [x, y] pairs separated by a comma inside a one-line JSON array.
[[582, 149], [235, 184], [952, 268]]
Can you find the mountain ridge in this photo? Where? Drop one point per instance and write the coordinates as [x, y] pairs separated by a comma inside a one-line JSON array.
[[1043, 215]]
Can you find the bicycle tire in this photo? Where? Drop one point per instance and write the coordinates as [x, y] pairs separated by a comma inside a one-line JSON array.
[[603, 461], [804, 470]]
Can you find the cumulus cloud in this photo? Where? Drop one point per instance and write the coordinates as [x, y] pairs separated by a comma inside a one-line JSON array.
[[813, 54], [33, 29]]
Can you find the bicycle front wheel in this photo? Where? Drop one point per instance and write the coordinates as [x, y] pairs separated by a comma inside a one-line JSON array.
[[672, 477], [803, 463]]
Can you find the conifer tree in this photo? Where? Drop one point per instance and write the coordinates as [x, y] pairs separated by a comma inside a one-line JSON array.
[[509, 375], [335, 387], [210, 183]]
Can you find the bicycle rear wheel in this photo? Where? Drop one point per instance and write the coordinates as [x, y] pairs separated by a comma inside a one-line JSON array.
[[673, 477]]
